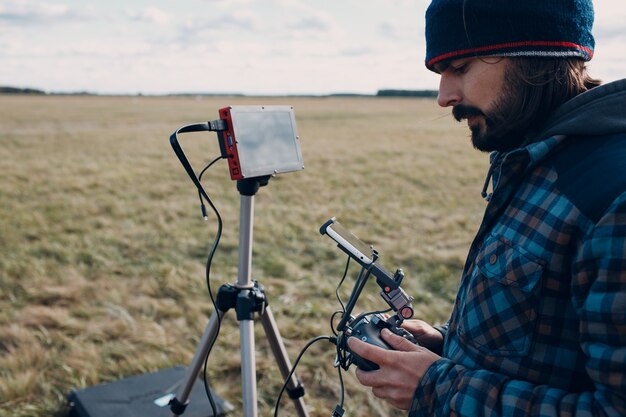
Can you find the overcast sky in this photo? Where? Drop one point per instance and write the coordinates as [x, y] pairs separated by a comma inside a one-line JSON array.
[[237, 46]]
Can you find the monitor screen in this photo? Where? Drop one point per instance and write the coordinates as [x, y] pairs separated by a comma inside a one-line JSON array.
[[266, 139]]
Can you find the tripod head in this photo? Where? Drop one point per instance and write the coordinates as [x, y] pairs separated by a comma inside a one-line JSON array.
[[250, 186]]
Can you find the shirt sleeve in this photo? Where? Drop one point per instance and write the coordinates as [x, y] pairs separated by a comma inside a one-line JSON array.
[[442, 328], [599, 296]]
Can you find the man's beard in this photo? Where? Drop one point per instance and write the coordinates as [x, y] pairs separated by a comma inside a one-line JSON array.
[[500, 132]]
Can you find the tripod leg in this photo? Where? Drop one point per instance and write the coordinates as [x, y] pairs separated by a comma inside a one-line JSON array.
[[280, 353], [248, 368], [206, 341]]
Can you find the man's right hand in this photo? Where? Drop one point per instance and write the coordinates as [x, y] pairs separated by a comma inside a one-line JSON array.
[[400, 368]]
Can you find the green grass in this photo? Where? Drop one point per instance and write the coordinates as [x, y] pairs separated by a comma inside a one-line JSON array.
[[103, 246]]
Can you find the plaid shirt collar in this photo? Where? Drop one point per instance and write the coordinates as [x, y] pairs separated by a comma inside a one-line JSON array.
[[529, 155]]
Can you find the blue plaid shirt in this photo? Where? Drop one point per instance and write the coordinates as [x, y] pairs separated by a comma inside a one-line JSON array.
[[539, 324]]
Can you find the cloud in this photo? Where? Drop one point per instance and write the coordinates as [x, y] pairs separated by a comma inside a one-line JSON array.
[[16, 12], [387, 30], [150, 15], [314, 23], [248, 46], [227, 25]]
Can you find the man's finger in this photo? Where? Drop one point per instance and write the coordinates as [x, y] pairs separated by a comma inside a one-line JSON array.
[[368, 378], [363, 349], [398, 342]]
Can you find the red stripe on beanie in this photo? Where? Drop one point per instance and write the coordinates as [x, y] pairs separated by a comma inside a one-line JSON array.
[[509, 45]]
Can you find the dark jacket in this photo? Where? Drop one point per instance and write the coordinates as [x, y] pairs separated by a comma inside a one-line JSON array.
[[539, 322]]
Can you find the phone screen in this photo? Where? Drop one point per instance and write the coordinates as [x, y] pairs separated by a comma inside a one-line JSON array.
[[350, 242]]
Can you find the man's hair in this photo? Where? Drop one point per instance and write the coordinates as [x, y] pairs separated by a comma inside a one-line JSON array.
[[538, 86]]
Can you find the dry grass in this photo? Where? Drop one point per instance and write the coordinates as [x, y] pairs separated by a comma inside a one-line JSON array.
[[103, 246]]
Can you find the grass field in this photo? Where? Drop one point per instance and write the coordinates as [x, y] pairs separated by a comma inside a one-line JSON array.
[[104, 248]]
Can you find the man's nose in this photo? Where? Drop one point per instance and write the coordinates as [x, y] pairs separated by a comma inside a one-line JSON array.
[[449, 94]]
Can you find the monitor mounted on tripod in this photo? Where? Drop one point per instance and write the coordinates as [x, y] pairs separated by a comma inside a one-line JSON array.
[[260, 141]]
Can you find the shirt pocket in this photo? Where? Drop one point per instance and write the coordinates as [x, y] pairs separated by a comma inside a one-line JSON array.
[[501, 302]]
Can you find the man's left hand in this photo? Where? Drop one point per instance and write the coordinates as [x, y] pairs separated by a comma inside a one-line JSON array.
[[400, 370]]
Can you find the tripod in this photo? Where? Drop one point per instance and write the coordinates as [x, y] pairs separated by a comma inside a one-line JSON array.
[[247, 297]]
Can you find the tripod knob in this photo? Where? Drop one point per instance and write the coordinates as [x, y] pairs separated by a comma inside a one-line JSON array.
[[250, 301]]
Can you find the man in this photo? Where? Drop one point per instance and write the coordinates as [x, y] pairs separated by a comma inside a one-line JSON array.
[[539, 322]]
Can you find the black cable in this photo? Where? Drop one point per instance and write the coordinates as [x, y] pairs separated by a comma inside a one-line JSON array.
[[214, 126], [342, 386], [293, 368], [181, 154], [205, 380], [343, 307], [341, 360], [216, 242], [345, 273], [202, 207], [332, 321]]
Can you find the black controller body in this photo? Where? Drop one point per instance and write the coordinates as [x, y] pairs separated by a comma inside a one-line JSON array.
[[368, 330]]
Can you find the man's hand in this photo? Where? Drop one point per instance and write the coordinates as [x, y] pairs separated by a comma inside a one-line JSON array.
[[425, 334], [400, 369]]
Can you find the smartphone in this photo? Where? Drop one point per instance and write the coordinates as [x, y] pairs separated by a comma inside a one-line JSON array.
[[347, 241]]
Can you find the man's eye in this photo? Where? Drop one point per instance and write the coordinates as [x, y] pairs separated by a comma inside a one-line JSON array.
[[460, 69]]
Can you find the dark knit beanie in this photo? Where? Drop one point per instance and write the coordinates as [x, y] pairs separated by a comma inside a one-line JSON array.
[[537, 28]]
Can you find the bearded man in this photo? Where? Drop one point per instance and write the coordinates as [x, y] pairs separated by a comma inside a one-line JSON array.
[[539, 323]]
